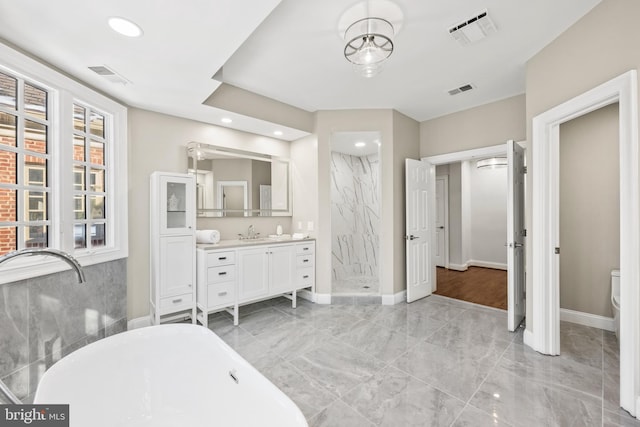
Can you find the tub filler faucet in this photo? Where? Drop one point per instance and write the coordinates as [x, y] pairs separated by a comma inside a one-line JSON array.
[[8, 394]]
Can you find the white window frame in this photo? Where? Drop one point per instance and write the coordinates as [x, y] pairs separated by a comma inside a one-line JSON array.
[[63, 93]]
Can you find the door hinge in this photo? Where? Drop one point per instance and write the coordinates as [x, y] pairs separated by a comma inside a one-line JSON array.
[[556, 251], [524, 169], [524, 232]]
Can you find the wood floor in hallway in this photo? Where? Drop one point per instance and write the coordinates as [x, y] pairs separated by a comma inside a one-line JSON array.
[[486, 286]]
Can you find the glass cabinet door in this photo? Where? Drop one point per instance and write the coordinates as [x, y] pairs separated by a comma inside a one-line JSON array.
[[176, 205]]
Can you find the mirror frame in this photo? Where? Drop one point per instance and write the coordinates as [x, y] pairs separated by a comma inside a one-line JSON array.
[[195, 152]]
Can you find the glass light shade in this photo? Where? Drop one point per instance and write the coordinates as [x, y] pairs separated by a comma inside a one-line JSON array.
[[368, 43], [492, 163]]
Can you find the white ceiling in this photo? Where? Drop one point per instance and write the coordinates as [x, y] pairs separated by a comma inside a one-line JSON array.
[[292, 53]]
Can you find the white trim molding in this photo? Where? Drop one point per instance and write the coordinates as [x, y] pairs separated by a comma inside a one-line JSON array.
[[322, 298], [458, 267], [588, 319], [394, 299], [544, 272], [139, 322], [487, 264]]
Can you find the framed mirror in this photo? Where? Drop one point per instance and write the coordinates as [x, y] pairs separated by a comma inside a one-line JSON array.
[[234, 183]]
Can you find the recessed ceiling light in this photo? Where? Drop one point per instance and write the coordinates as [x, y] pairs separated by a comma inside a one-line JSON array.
[[226, 120], [360, 144], [125, 27], [277, 133]]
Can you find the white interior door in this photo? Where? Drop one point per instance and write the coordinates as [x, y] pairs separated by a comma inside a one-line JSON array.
[[515, 236], [420, 188], [441, 247]]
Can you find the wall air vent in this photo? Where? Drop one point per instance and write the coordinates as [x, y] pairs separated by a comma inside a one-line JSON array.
[[463, 88], [473, 29], [109, 74]]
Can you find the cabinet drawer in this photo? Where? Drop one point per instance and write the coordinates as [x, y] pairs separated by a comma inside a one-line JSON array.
[[221, 274], [307, 248], [305, 277], [221, 258], [221, 294], [304, 260], [175, 302]]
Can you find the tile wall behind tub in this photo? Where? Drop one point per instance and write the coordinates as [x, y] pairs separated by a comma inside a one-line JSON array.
[[355, 215], [48, 317]]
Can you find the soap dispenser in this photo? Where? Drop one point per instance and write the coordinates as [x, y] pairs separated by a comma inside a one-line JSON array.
[[279, 230]]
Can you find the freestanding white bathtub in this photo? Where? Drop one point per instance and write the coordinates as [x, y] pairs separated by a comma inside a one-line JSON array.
[[170, 375]]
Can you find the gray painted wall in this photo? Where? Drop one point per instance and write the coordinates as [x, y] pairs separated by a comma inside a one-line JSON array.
[[45, 318]]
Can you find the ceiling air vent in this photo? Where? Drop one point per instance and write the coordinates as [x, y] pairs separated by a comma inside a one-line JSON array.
[[109, 74], [461, 89], [473, 29]]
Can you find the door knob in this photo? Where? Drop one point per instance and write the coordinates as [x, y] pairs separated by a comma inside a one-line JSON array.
[[411, 237], [441, 227]]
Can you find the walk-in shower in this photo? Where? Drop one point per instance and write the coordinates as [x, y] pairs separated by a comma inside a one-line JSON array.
[[355, 213]]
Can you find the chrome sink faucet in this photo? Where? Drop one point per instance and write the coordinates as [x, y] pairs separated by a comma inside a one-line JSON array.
[[251, 233]]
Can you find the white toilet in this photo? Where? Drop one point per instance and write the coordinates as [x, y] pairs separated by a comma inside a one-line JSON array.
[[615, 298]]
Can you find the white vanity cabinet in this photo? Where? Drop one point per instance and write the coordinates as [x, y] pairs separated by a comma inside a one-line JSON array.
[[234, 275], [172, 245]]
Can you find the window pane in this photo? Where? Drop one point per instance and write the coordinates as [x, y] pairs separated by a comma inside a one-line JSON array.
[[79, 235], [8, 239], [78, 118], [78, 178], [97, 207], [35, 205], [78, 207], [78, 148], [8, 206], [98, 235], [8, 87], [35, 137], [35, 101], [35, 169], [97, 153], [97, 180], [36, 236], [97, 124], [8, 167], [8, 129]]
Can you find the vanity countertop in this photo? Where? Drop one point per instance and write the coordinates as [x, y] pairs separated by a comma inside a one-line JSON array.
[[239, 243]]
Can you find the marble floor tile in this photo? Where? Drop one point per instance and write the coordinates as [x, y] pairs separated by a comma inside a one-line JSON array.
[[290, 342], [457, 374], [484, 323], [333, 322], [474, 417], [412, 323], [435, 309], [481, 346], [257, 322], [581, 344], [339, 414], [336, 366], [619, 418], [382, 343], [551, 371], [394, 398], [310, 396], [522, 402]]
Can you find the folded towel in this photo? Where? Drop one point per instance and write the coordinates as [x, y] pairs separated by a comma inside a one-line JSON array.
[[298, 236], [207, 236]]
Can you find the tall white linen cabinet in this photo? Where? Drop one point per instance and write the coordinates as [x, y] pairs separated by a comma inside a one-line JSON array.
[[173, 246]]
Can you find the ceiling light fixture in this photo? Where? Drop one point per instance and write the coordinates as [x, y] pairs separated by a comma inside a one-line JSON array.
[[369, 42], [492, 163], [360, 144], [277, 133], [226, 120], [124, 26]]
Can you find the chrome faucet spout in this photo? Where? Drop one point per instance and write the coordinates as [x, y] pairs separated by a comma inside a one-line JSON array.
[[51, 252]]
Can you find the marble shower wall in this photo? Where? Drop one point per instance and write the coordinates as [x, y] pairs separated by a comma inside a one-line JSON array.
[[355, 216], [45, 318]]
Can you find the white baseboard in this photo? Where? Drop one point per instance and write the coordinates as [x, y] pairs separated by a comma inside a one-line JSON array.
[[322, 298], [306, 295], [487, 264], [394, 299], [458, 267], [587, 319], [139, 322]]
